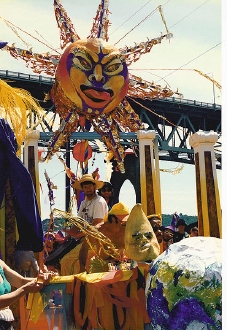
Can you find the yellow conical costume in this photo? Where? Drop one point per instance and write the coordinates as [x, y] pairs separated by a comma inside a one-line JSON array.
[[141, 243]]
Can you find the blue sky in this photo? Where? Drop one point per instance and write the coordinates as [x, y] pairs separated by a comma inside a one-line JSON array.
[[196, 44]]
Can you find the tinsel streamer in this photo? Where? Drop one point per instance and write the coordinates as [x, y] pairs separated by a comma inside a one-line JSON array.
[[86, 157], [142, 22], [50, 189], [209, 78], [51, 200], [39, 63], [90, 232], [160, 116], [101, 23], [67, 31], [10, 25], [68, 171], [57, 140], [16, 106], [141, 88], [175, 170], [14, 26], [103, 18], [162, 16]]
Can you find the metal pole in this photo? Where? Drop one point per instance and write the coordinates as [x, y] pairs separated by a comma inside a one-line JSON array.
[[67, 180], [213, 88]]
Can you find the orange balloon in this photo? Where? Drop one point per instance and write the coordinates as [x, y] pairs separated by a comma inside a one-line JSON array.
[[40, 151], [79, 151]]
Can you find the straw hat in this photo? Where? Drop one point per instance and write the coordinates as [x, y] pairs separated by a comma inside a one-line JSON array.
[[87, 178], [158, 216]]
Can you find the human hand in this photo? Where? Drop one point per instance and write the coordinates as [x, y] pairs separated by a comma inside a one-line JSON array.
[[45, 276], [74, 231], [33, 286], [99, 225]]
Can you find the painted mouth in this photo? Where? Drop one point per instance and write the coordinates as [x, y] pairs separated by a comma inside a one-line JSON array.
[[97, 95], [145, 246]]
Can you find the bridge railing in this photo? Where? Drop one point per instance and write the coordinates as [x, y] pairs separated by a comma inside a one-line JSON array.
[[191, 102], [26, 76], [50, 81]]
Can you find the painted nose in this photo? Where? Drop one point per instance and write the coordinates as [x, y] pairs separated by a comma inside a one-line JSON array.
[[97, 75], [144, 239]]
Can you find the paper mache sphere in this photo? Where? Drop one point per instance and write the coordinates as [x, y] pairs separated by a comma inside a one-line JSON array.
[[184, 286]]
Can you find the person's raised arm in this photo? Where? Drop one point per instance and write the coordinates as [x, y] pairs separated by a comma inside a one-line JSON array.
[[24, 285]]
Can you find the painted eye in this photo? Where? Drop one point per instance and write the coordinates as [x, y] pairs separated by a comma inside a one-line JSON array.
[[113, 67], [85, 64], [148, 235], [81, 63], [137, 236]]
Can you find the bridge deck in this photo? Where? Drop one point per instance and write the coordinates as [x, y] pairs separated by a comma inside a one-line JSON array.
[[174, 119]]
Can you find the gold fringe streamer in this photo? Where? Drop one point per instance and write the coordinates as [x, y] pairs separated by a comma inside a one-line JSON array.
[[180, 69], [11, 26], [143, 20], [90, 231], [174, 171], [163, 19], [14, 27], [209, 78], [16, 105]]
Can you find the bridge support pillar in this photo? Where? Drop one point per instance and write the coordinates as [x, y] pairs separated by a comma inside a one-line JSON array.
[[208, 200], [149, 173], [30, 160]]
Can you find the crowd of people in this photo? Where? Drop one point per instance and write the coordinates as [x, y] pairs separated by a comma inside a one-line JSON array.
[[74, 253], [99, 210], [173, 233]]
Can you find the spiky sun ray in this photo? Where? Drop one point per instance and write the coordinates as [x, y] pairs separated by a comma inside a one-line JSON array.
[[67, 32]]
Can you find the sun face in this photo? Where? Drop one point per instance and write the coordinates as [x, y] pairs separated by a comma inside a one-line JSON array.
[[93, 75]]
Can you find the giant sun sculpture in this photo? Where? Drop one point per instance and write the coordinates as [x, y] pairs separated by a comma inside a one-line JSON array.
[[92, 82]]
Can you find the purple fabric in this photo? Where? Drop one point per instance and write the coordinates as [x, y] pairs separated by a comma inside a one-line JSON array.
[[3, 44], [22, 192], [174, 221], [100, 20]]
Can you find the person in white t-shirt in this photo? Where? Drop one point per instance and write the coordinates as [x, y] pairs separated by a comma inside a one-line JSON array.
[[93, 208]]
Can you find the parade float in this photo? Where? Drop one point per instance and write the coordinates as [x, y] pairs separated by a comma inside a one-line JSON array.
[[91, 91]]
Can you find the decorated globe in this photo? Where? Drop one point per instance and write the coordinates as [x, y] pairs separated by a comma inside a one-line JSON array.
[[184, 286]]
